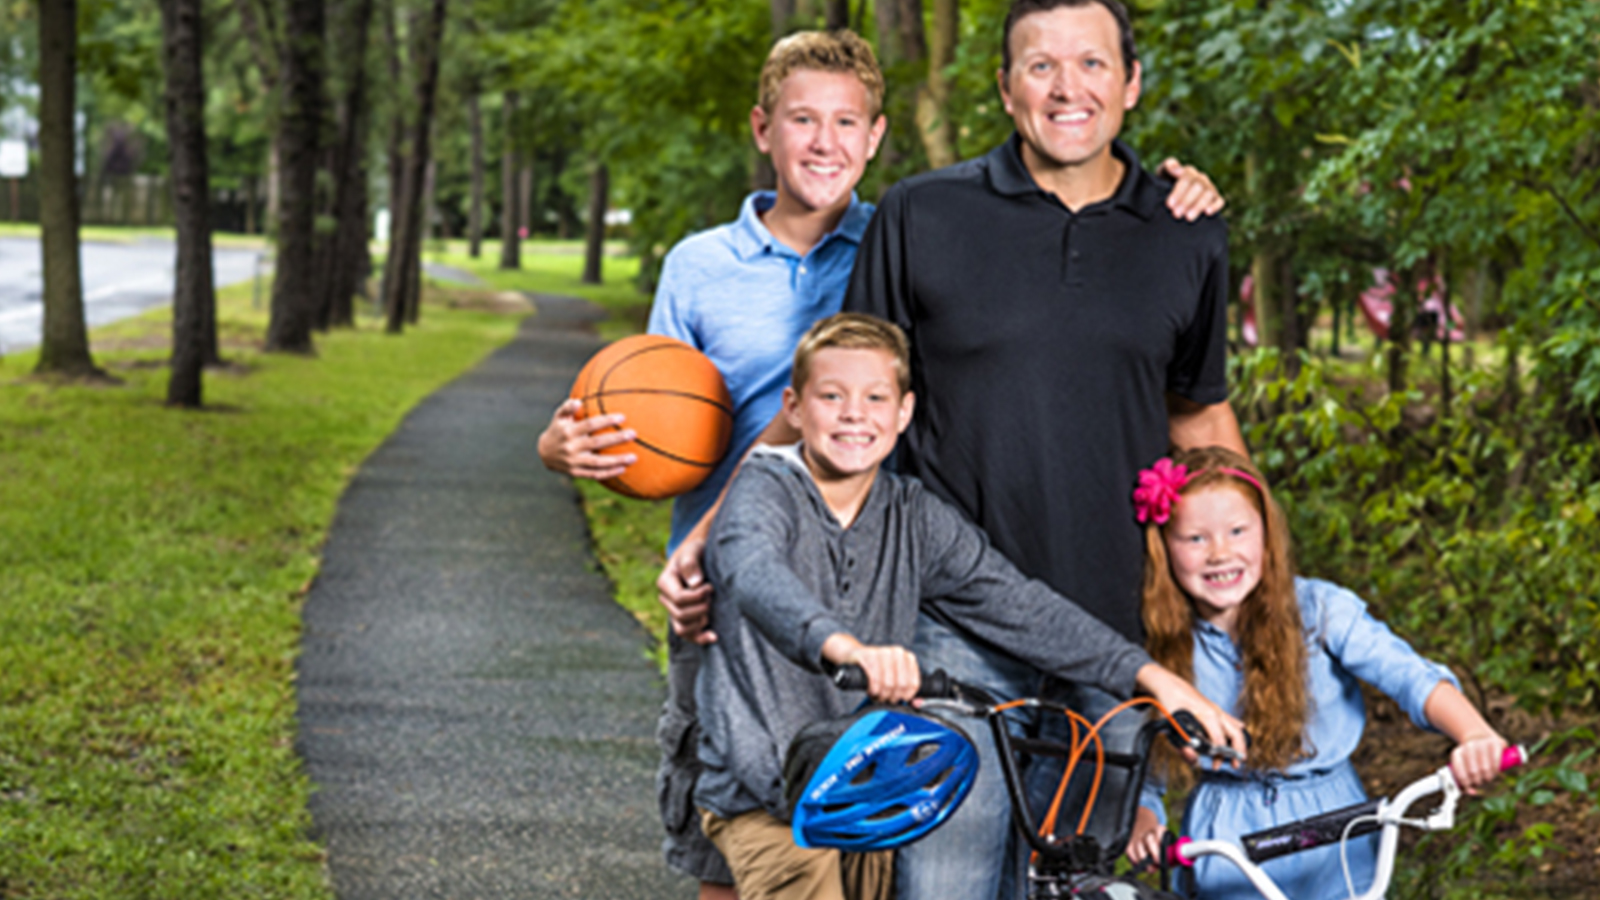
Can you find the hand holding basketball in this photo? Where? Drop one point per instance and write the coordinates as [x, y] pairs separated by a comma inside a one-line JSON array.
[[573, 446], [675, 403]]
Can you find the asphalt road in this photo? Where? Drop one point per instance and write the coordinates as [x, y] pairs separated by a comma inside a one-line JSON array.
[[475, 711], [119, 280]]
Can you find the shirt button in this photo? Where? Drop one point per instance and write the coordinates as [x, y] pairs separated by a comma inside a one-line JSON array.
[[844, 588], [802, 270], [1075, 254], [850, 563]]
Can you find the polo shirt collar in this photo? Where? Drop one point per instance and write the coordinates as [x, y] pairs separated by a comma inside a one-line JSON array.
[[751, 237], [1138, 193]]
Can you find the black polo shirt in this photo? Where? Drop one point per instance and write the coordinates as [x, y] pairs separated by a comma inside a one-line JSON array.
[[1044, 343]]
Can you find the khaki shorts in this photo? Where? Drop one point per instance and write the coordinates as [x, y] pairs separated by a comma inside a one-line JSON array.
[[767, 865]]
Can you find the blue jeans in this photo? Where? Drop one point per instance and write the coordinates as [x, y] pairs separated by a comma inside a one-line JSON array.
[[973, 855], [977, 854]]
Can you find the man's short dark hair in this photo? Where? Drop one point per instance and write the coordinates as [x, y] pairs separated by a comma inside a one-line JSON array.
[[1021, 8]]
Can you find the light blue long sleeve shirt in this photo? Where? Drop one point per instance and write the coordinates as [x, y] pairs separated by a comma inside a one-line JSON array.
[[744, 298], [1346, 646]]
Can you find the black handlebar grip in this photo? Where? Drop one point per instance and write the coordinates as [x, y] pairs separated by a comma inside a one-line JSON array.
[[934, 684]]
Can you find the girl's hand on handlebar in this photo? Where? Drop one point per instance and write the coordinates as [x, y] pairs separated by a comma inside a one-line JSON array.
[[892, 673], [1145, 842], [1174, 693], [1476, 760]]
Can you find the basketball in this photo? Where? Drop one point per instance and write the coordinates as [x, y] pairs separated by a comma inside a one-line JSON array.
[[674, 400]]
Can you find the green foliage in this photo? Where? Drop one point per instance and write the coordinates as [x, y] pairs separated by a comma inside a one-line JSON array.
[[1471, 533], [665, 91], [154, 562], [630, 540], [1486, 844]]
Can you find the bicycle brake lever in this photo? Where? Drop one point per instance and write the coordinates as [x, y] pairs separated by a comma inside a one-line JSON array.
[[1197, 738]]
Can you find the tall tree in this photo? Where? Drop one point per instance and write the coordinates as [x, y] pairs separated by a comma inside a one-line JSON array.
[[64, 348], [510, 243], [595, 238], [838, 14], [475, 202], [934, 123], [194, 302], [403, 269], [294, 294], [349, 259]]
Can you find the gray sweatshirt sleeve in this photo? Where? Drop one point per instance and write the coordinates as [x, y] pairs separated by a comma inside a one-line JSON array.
[[748, 558], [975, 585]]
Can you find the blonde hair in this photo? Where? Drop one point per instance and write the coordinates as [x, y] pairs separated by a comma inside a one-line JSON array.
[[853, 331], [1272, 644], [822, 51]]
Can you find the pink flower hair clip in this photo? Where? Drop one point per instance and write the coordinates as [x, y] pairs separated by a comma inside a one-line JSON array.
[[1158, 490]]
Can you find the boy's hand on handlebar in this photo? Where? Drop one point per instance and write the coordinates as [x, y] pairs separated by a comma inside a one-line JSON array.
[[892, 673], [1174, 693], [1476, 760], [1145, 842]]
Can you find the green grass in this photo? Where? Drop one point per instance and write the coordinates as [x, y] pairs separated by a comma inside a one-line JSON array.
[[555, 267], [154, 564], [630, 539], [117, 234]]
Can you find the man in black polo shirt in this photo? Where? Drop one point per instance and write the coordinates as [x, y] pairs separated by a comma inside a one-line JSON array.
[[1064, 330]]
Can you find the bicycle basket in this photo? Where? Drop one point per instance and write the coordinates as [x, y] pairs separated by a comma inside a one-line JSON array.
[[876, 780]]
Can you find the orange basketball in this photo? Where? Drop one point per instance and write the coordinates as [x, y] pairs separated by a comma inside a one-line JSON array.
[[674, 400]]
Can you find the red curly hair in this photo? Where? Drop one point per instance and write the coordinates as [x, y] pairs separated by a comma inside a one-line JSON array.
[[1272, 643]]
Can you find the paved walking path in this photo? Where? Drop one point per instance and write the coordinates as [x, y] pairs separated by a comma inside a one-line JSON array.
[[475, 711]]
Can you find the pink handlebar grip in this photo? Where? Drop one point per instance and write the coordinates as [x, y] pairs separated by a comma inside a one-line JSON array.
[[1175, 858], [1512, 757]]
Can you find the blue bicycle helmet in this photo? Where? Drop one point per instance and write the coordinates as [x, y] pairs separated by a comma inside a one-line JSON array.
[[878, 779]]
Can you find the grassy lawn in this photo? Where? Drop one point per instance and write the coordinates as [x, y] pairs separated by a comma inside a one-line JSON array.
[[155, 562], [556, 267], [109, 234]]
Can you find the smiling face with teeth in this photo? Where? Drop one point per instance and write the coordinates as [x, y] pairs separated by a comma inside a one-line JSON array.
[[1215, 545], [820, 133], [1067, 89], [849, 412]]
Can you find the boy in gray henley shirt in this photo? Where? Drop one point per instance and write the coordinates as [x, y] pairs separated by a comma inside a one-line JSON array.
[[817, 556]]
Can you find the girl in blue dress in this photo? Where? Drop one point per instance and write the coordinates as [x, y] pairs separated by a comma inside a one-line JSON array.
[[1222, 606]]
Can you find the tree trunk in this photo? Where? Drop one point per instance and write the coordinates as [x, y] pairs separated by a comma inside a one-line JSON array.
[[933, 100], [1401, 317], [348, 258], [886, 15], [782, 14], [1290, 335], [510, 244], [525, 198], [1264, 270], [838, 14], [475, 204], [594, 244], [430, 211], [294, 292], [194, 302], [403, 281], [64, 347]]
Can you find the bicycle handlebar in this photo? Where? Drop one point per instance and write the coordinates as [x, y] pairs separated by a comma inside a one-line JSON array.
[[1337, 825], [934, 684]]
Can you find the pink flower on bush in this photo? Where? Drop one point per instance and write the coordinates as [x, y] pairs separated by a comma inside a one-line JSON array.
[[1158, 490]]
